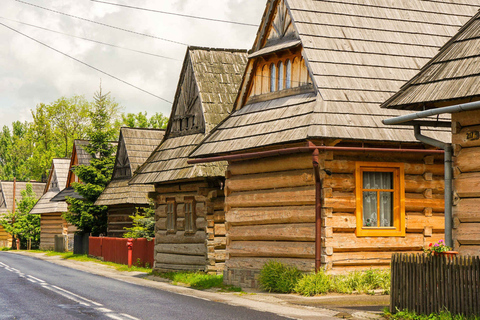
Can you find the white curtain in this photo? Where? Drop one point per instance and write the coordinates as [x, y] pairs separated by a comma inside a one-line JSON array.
[[377, 180]]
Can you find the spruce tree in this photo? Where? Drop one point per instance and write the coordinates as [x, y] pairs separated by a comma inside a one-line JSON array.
[[83, 213]]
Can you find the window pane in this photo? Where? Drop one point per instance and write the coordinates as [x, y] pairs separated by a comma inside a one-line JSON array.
[[386, 209], [273, 76], [369, 209], [377, 180], [288, 82], [280, 76]]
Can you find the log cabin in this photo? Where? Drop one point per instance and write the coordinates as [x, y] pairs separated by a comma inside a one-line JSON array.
[[190, 221], [51, 221], [134, 147], [448, 80], [10, 194], [314, 178]]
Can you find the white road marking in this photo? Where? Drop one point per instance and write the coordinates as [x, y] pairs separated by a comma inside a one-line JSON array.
[[70, 295]]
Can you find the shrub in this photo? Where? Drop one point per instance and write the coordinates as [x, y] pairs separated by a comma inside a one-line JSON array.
[[313, 284], [278, 277]]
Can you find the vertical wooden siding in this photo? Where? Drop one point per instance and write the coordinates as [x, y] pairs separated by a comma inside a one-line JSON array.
[[466, 209], [51, 224], [203, 250]]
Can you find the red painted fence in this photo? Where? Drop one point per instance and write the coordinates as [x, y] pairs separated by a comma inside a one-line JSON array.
[[115, 250]]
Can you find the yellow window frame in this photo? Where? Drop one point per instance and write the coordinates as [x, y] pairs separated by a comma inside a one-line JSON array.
[[398, 229]]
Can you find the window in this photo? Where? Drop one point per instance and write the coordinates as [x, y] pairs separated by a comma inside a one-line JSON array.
[[380, 199], [190, 217], [273, 77], [288, 71], [281, 76], [171, 216]]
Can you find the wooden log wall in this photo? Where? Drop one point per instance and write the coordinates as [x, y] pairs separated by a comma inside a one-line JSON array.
[[52, 224], [466, 209], [270, 213], [119, 219], [5, 238], [203, 250]]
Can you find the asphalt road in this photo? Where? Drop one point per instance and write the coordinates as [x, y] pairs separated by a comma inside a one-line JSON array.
[[35, 289]]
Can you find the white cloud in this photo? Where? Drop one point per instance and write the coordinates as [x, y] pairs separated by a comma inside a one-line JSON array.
[[31, 73]]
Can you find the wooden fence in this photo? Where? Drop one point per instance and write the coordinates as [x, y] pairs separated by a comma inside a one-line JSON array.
[[115, 250], [433, 284]]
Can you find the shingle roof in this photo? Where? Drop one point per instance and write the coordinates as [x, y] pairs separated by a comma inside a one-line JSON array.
[[135, 145], [358, 53], [214, 78], [6, 193], [57, 181], [452, 74]]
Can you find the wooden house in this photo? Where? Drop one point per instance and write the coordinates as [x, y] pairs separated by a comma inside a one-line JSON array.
[[190, 221], [51, 221], [314, 178], [134, 147], [10, 193], [79, 157], [450, 79]]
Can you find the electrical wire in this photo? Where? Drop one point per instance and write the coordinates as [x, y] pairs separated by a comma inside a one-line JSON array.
[[86, 64], [178, 14], [103, 24], [95, 41]]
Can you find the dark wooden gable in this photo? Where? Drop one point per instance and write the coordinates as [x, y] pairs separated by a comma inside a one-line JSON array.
[[187, 113], [281, 26], [122, 167]]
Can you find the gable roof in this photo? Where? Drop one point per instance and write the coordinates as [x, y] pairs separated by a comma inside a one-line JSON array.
[[358, 53], [56, 181], [209, 84], [453, 74], [6, 193], [134, 147]]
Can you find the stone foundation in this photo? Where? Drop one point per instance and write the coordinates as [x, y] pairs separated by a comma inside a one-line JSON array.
[[241, 278]]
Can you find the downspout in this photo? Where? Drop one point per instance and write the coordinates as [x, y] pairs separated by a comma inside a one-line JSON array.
[[318, 211], [448, 180]]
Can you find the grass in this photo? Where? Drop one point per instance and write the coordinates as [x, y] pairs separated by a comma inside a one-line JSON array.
[[198, 280], [408, 315], [5, 249]]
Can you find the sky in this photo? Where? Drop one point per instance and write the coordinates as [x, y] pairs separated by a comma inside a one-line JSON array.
[[31, 73]]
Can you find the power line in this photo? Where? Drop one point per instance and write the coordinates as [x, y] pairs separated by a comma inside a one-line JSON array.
[[178, 14], [84, 63], [103, 24], [86, 39]]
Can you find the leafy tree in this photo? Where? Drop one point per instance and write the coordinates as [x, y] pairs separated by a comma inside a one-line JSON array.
[[140, 120], [143, 224], [21, 224], [15, 149], [87, 217]]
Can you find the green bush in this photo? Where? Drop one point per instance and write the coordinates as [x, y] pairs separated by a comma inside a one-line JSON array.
[[313, 284], [278, 277]]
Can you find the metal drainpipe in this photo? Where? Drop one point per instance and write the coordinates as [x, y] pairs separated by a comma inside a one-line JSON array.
[[318, 211], [447, 147]]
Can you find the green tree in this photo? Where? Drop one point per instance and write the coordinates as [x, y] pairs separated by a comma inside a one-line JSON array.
[[21, 224], [141, 120], [16, 148], [87, 217], [143, 223]]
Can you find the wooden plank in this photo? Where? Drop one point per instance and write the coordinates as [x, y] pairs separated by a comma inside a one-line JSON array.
[[468, 233], [342, 222], [180, 188], [462, 138], [279, 197], [469, 250], [417, 222], [182, 248], [305, 265], [340, 202], [161, 236], [271, 249], [272, 215], [340, 182], [467, 185], [350, 242], [219, 229], [274, 232], [468, 160], [418, 184], [362, 258], [271, 180], [467, 118], [164, 267], [178, 259], [416, 205], [272, 164], [467, 210]]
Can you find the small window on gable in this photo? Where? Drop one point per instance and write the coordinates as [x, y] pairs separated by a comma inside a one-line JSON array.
[[190, 216], [273, 77], [171, 216], [380, 198], [288, 72]]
